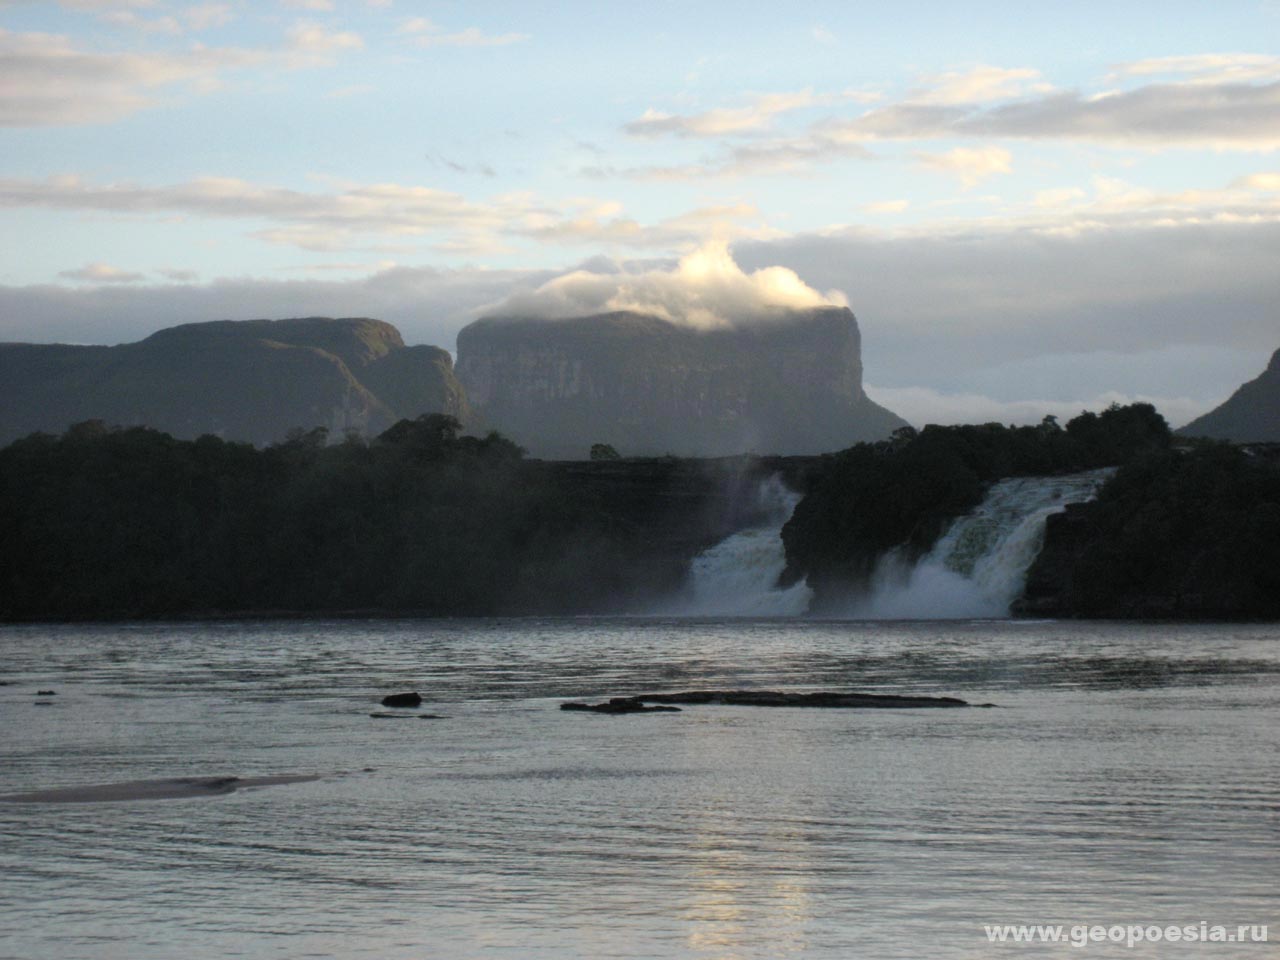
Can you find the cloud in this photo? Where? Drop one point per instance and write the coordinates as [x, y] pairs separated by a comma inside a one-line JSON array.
[[45, 80], [978, 85], [604, 224], [428, 305], [315, 220], [127, 18], [1058, 197], [1206, 67], [923, 405], [348, 216], [1259, 181], [971, 164], [1216, 116], [362, 267], [756, 115], [706, 289], [823, 35], [196, 18], [318, 6], [101, 273], [91, 5], [427, 33], [887, 206], [312, 44], [970, 309], [458, 167], [1230, 103], [205, 16], [759, 158]]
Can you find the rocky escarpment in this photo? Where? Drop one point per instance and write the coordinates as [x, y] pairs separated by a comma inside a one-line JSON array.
[[1250, 415], [647, 386], [248, 381]]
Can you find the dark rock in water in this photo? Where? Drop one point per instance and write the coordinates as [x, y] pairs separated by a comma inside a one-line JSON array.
[[407, 716], [402, 700], [774, 698], [46, 693], [618, 705]]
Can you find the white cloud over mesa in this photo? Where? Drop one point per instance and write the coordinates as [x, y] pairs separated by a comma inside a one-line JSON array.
[[706, 289]]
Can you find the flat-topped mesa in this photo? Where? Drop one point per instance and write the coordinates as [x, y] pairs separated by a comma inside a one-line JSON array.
[[251, 380], [647, 386]]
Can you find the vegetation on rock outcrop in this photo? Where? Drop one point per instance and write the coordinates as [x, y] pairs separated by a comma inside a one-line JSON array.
[[1189, 533], [903, 492]]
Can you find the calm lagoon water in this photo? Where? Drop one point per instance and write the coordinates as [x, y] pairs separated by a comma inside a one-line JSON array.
[[1130, 775]]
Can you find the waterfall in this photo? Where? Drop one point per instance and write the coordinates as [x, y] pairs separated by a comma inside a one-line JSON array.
[[975, 570], [738, 577], [978, 567]]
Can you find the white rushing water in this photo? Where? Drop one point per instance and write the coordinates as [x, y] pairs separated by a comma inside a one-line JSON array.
[[738, 577], [978, 567]]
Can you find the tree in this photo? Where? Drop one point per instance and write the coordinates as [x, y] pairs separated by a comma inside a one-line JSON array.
[[604, 451]]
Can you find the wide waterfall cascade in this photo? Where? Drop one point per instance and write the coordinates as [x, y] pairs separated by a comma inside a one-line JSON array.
[[978, 567], [738, 577]]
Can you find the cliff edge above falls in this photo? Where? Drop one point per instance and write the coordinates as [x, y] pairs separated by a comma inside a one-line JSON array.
[[250, 380], [650, 387], [1250, 415]]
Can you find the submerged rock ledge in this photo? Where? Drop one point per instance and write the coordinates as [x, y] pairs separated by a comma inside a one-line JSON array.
[[766, 698], [177, 788], [775, 698]]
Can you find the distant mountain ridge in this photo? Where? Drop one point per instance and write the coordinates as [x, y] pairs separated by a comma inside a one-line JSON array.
[[252, 380], [1250, 415], [645, 385]]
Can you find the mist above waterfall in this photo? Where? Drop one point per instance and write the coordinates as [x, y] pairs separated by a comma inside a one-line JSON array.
[[978, 567]]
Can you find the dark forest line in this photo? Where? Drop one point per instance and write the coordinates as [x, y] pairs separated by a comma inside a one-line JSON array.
[[131, 523], [106, 523]]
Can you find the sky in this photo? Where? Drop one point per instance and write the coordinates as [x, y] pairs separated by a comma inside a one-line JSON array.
[[1032, 208]]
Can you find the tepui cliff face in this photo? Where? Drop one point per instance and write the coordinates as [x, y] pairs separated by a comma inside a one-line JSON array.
[[248, 381], [1250, 415], [645, 385]]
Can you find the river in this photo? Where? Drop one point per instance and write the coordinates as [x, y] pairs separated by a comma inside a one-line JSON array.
[[1128, 774]]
